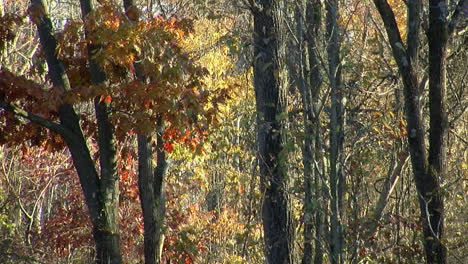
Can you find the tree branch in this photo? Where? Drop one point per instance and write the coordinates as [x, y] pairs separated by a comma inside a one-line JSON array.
[[56, 127], [454, 18], [394, 35]]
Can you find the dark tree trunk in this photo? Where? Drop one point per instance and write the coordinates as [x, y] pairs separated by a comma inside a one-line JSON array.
[[106, 231], [337, 124], [270, 93], [427, 169], [151, 181], [151, 186], [309, 83], [101, 195], [433, 227]]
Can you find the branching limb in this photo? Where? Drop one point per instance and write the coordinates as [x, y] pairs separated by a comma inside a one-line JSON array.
[[455, 16], [56, 127]]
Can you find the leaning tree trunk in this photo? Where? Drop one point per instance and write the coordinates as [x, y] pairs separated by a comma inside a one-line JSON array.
[[101, 193], [427, 169], [270, 93], [337, 123]]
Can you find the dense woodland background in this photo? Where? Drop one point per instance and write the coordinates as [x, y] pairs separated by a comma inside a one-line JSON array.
[[252, 131]]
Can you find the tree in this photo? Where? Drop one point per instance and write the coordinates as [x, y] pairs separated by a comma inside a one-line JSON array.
[[172, 95], [337, 123], [309, 80], [100, 191], [428, 169], [150, 178], [270, 94]]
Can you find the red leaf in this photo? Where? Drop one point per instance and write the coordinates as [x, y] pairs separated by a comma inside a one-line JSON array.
[[168, 147]]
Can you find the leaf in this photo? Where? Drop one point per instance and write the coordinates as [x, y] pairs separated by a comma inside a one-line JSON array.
[[106, 99], [168, 147]]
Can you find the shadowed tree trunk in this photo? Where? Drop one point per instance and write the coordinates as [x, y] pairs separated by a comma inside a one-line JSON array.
[[150, 178], [151, 187], [429, 168], [100, 192], [308, 19], [107, 233], [270, 93], [433, 227], [337, 123]]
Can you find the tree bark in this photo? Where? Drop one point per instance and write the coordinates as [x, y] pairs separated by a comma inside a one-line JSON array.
[[270, 93], [337, 123], [309, 83], [433, 227], [151, 186], [427, 169], [151, 181], [102, 205], [106, 232]]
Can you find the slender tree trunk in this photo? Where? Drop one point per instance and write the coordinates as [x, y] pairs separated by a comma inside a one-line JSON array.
[[427, 169], [151, 181], [393, 175], [151, 186], [313, 24], [336, 133], [433, 227], [308, 150], [106, 232], [101, 195], [270, 94], [309, 82]]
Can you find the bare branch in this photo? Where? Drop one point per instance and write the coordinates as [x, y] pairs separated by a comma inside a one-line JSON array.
[[455, 16], [56, 127]]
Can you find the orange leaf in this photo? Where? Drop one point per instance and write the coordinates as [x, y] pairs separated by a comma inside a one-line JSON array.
[[106, 99]]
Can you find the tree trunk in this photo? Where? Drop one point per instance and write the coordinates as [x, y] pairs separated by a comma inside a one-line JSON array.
[[151, 186], [102, 205], [393, 175], [106, 231], [313, 22], [337, 123], [151, 181], [270, 93], [427, 170], [309, 82], [433, 227]]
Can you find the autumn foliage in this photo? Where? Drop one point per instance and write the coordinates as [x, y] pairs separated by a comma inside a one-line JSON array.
[[180, 72], [170, 84]]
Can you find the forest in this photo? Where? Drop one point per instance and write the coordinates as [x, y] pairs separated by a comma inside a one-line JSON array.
[[233, 131]]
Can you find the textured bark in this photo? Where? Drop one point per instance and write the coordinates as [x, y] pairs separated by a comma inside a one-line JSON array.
[[106, 231], [151, 187], [102, 206], [427, 169], [151, 182], [337, 124], [149, 205], [270, 93], [433, 227], [309, 83]]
